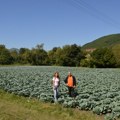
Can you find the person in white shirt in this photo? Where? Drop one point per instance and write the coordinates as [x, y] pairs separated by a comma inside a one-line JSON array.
[[56, 84]]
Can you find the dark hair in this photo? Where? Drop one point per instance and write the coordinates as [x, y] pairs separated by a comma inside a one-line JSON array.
[[57, 75]]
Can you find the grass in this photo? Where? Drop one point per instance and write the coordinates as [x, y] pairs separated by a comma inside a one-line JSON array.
[[13, 107]]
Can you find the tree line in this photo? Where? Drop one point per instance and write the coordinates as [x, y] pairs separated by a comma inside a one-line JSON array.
[[68, 55]]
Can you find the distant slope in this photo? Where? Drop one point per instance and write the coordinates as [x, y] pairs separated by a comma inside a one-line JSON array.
[[105, 41]]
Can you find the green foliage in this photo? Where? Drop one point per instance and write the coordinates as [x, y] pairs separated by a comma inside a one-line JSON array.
[[69, 55], [53, 57], [105, 41], [103, 58], [109, 117], [72, 55], [97, 110], [38, 57], [5, 57], [13, 107], [98, 89], [116, 52], [23, 56], [87, 61], [109, 41], [14, 54]]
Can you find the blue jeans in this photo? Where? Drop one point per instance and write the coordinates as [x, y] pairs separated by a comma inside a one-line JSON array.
[[55, 89]]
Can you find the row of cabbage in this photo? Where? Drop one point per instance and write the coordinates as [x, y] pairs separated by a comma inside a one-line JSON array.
[[98, 89]]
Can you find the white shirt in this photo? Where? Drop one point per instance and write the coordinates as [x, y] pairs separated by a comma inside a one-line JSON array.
[[55, 81]]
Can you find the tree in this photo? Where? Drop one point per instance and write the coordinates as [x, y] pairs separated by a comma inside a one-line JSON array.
[[24, 54], [38, 56], [103, 57], [5, 57], [52, 56], [39, 46], [86, 61], [72, 55], [2, 47], [116, 52], [59, 57], [69, 55], [14, 55]]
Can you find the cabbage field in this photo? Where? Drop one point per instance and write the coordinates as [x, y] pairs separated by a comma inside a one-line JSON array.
[[98, 89]]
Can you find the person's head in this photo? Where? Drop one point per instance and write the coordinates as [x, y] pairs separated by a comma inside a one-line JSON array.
[[56, 74], [69, 74]]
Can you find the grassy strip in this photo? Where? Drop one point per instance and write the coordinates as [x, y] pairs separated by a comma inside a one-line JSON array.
[[14, 107]]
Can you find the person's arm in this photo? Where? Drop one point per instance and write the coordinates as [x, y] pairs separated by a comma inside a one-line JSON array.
[[59, 83], [74, 81], [66, 80], [52, 82]]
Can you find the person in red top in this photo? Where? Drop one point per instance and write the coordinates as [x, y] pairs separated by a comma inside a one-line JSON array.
[[70, 81]]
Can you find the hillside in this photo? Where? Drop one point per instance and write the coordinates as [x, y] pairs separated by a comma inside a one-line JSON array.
[[105, 41]]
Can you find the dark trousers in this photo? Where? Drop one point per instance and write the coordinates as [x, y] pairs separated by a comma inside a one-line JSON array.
[[71, 91]]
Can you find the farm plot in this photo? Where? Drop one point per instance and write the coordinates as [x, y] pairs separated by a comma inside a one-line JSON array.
[[98, 89]]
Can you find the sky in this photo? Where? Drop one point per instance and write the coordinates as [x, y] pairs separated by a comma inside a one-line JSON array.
[[55, 23]]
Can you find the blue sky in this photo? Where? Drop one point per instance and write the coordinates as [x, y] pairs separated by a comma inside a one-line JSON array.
[[26, 23]]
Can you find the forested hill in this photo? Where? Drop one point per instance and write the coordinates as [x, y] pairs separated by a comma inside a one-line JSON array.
[[105, 41]]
